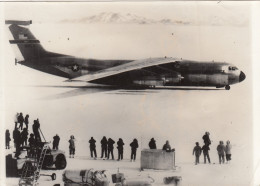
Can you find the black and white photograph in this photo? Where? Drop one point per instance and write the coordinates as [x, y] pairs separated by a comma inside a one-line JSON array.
[[128, 93]]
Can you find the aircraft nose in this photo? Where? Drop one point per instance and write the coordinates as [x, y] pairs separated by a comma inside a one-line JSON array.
[[242, 76]]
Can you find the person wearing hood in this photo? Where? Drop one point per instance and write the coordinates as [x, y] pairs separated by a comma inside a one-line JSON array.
[[120, 147], [104, 147], [55, 143], [152, 144], [110, 148], [92, 147], [228, 151], [221, 152], [167, 147], [134, 146]]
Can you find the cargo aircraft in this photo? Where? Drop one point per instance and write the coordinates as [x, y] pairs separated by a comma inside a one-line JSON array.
[[148, 73]]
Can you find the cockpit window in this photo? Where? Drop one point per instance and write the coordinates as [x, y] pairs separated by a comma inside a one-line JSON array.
[[232, 68]]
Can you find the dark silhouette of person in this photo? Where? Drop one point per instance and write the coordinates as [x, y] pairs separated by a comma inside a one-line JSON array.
[[197, 152], [167, 147], [55, 143], [205, 150], [36, 127], [7, 139], [24, 137], [26, 121], [134, 146], [120, 148], [16, 119], [206, 139], [18, 144], [110, 148], [20, 121], [32, 144], [16, 135], [104, 147], [72, 146], [92, 147], [152, 144]]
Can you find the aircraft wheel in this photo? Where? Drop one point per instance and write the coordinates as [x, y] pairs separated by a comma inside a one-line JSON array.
[[227, 87]]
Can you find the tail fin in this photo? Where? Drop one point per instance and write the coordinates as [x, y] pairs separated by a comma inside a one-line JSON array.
[[28, 45]]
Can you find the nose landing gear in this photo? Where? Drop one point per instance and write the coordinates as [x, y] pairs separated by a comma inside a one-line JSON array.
[[227, 87]]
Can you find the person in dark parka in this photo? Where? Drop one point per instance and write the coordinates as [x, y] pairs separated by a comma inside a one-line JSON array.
[[26, 121], [197, 152], [134, 146], [7, 139], [104, 147], [18, 143], [24, 137], [21, 120], [55, 143], [36, 127], [32, 144], [205, 150], [92, 147], [120, 147], [221, 152], [16, 134], [152, 144], [110, 148], [206, 138], [167, 147]]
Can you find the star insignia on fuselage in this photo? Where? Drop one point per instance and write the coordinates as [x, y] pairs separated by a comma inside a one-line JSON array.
[[75, 67]]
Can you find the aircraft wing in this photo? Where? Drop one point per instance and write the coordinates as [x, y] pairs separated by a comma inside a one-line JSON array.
[[128, 67]]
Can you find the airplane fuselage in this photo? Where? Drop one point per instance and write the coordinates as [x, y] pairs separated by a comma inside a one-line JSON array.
[[189, 73]]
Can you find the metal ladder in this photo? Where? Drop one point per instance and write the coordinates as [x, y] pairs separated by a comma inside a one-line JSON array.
[[32, 168]]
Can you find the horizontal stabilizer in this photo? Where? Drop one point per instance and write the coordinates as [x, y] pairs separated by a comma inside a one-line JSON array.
[[16, 22]]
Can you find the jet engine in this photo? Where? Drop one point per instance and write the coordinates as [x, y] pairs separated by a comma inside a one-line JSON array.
[[160, 80]]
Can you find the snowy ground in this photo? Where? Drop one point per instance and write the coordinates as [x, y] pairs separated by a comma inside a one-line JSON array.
[[202, 174]]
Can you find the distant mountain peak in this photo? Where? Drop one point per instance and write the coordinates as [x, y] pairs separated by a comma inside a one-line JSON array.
[[121, 18]]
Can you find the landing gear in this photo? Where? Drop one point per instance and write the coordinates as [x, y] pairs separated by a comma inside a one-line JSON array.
[[227, 87]]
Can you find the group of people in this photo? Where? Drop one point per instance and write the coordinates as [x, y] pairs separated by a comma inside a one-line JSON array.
[[20, 133], [221, 149], [107, 148]]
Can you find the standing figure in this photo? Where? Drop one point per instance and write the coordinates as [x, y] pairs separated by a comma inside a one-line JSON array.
[[92, 147], [197, 152], [16, 135], [110, 148], [18, 143], [152, 144], [205, 150], [221, 152], [24, 137], [72, 146], [16, 119], [120, 147], [167, 147], [206, 139], [104, 147], [32, 144], [7, 139], [134, 146], [36, 127], [228, 151], [21, 120], [26, 121], [55, 143]]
